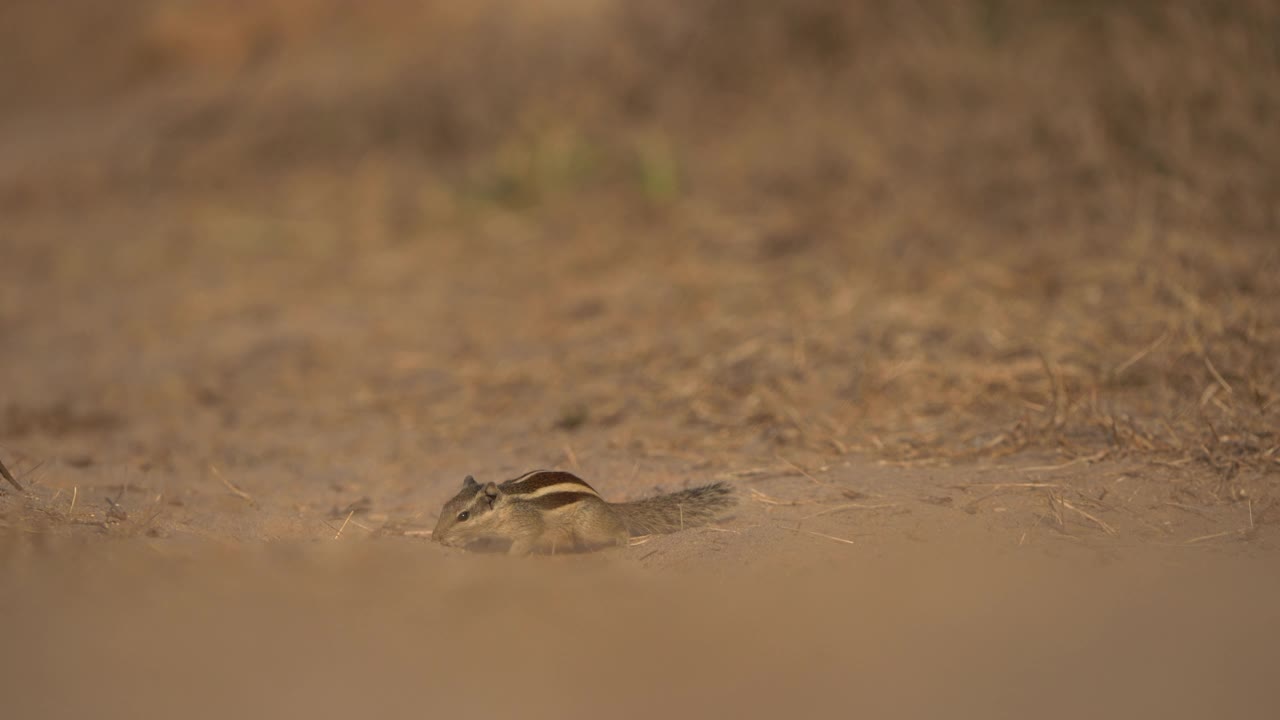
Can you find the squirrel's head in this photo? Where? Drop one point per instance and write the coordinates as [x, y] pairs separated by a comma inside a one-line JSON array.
[[468, 517]]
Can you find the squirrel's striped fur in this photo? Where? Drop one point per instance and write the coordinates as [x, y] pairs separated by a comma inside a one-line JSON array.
[[554, 511]]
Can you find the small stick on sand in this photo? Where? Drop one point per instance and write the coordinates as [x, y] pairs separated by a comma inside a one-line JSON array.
[[749, 472], [75, 491], [1140, 354], [1086, 458], [1217, 375], [767, 500], [1055, 506], [850, 506], [1187, 508], [828, 537], [1214, 536], [1105, 527], [231, 486], [9, 476], [344, 525], [800, 470], [996, 486]]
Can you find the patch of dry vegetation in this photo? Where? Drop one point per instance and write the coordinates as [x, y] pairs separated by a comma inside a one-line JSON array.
[[930, 231]]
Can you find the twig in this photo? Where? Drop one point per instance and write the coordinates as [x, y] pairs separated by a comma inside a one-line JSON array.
[[114, 511], [761, 497], [966, 486], [749, 472], [1224, 533], [27, 473], [152, 517], [344, 525], [1055, 505], [75, 492], [713, 528], [1069, 463], [9, 476], [829, 537], [1217, 376], [231, 486], [1187, 508], [1146, 523], [849, 506], [1140, 354], [1105, 527], [800, 470]]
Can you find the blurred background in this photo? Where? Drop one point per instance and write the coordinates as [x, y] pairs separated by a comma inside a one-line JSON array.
[[311, 240]]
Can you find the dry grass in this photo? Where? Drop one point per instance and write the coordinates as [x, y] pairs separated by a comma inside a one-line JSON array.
[[4, 472], [934, 233]]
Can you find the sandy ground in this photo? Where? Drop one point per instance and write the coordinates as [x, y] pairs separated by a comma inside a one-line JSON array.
[[332, 629], [961, 592], [992, 374]]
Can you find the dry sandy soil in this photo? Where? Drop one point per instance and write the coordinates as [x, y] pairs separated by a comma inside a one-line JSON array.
[[976, 304]]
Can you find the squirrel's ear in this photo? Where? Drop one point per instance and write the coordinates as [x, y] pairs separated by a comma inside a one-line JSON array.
[[491, 490], [468, 481]]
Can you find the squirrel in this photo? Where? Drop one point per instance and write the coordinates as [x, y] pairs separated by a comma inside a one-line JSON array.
[[550, 511]]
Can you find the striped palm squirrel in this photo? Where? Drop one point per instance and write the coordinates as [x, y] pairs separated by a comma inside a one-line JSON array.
[[550, 511]]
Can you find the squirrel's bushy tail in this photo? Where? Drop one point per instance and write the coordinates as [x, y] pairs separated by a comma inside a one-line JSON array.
[[676, 511]]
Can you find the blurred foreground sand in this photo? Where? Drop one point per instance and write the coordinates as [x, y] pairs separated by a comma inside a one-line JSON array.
[[392, 629]]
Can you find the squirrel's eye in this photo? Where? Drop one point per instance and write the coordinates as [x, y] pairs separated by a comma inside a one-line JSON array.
[[464, 515]]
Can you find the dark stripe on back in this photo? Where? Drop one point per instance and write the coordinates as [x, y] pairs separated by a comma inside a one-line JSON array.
[[537, 481], [559, 499]]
